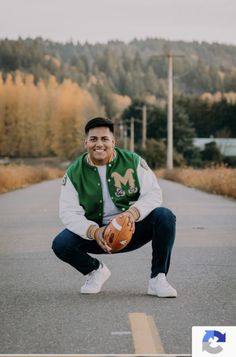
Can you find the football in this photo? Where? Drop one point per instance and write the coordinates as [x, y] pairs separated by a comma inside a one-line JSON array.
[[118, 233]]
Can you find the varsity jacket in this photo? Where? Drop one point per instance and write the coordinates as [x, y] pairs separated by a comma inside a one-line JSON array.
[[130, 182]]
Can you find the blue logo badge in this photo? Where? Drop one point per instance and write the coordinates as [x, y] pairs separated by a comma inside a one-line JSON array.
[[211, 340]]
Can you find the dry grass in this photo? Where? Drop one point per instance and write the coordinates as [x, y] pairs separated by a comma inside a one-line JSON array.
[[18, 176], [220, 180]]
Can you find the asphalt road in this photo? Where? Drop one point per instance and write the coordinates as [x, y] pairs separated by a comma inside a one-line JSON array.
[[43, 312]]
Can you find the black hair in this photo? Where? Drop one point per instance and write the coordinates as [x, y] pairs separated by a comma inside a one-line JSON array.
[[98, 122]]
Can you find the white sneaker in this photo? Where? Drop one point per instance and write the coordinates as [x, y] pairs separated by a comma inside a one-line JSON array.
[[160, 287], [95, 280]]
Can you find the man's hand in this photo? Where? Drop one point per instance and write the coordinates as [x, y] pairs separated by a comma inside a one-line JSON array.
[[98, 236], [133, 214], [131, 222]]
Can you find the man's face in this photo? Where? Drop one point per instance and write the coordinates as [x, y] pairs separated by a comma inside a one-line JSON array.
[[100, 143]]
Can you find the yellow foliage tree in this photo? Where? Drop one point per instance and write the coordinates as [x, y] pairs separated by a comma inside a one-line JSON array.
[[44, 118]]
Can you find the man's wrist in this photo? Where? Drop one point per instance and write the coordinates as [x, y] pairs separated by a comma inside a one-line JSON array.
[[91, 231], [134, 212]]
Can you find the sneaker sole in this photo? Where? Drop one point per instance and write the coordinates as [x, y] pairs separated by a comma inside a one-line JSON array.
[[153, 293]]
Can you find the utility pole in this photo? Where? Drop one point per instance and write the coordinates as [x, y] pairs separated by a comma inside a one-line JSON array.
[[125, 136], [121, 125], [132, 134], [144, 126], [170, 113], [169, 162]]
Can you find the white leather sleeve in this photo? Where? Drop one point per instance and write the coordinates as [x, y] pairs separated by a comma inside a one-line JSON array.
[[150, 191], [71, 212]]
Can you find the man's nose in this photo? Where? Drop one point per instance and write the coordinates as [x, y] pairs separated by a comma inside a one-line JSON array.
[[99, 143]]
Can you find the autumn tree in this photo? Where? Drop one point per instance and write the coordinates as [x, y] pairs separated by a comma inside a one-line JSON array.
[[44, 118]]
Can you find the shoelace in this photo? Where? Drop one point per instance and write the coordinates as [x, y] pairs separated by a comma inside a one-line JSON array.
[[89, 278], [166, 284], [164, 281]]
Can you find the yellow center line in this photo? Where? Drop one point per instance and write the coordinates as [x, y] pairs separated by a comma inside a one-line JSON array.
[[145, 335]]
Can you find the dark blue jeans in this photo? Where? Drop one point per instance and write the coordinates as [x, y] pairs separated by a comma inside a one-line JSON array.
[[158, 227]]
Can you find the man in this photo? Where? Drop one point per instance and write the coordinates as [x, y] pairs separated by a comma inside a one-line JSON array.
[[102, 183]]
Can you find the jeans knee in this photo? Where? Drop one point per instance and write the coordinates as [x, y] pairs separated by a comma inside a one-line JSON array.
[[166, 213], [165, 217], [59, 246], [56, 246]]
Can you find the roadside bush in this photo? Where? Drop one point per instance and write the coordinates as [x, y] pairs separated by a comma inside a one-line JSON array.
[[211, 153], [178, 159], [155, 153], [229, 161], [193, 157]]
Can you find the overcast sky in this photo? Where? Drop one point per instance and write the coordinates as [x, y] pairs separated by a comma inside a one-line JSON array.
[[103, 20]]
